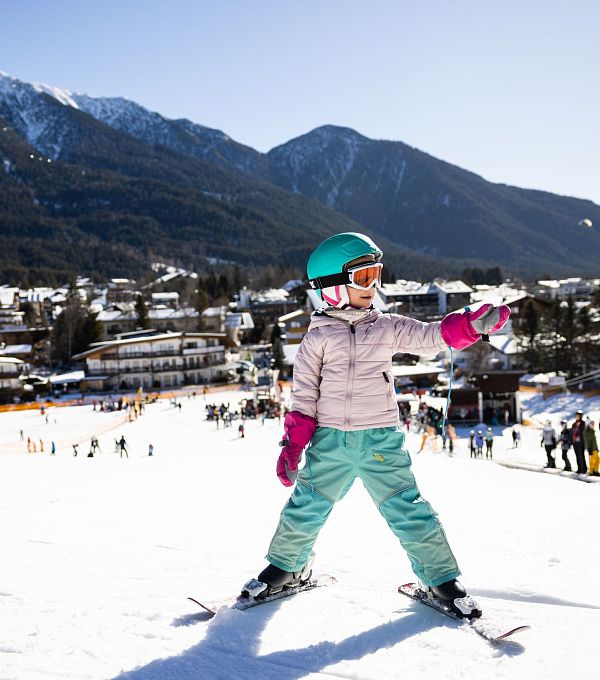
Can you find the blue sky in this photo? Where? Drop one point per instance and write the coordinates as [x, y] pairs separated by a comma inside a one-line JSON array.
[[509, 90]]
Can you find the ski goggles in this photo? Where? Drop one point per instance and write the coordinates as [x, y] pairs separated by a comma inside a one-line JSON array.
[[363, 277]]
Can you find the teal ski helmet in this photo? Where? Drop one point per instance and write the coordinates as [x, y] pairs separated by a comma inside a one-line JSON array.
[[329, 259]]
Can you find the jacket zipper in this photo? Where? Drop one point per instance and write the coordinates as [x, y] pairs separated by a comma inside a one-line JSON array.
[[348, 409]]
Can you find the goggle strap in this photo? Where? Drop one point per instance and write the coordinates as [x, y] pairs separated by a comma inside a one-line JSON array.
[[330, 280]]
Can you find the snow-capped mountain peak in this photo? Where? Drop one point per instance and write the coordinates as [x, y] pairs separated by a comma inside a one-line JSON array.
[[61, 95]]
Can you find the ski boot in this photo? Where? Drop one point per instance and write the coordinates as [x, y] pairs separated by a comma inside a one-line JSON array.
[[272, 580], [455, 597]]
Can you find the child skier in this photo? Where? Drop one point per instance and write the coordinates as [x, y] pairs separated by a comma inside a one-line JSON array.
[[343, 403]]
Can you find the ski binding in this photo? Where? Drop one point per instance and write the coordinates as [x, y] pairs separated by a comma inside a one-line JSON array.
[[241, 603], [483, 626]]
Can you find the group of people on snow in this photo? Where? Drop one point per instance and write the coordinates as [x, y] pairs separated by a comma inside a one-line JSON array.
[[581, 435], [478, 439]]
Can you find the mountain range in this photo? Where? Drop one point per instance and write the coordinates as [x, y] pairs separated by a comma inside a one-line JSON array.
[[105, 186]]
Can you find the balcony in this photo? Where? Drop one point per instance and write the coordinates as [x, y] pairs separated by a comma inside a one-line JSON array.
[[10, 375], [203, 350], [115, 356]]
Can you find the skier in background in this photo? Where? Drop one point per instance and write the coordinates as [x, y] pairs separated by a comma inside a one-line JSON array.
[[577, 430], [343, 403], [591, 444], [489, 442], [472, 444], [123, 447], [549, 443], [564, 439], [94, 446], [479, 444]]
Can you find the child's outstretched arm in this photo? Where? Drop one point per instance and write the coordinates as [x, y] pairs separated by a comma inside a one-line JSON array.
[[417, 337], [457, 330]]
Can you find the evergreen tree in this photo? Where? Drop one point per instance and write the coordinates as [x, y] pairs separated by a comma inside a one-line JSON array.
[[585, 348], [30, 316], [529, 330], [75, 328], [570, 333], [201, 302], [141, 310], [554, 330], [278, 355]]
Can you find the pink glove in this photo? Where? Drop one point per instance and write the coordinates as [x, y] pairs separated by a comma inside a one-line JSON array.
[[299, 430], [461, 329]]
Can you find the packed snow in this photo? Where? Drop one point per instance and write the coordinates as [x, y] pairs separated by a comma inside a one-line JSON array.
[[99, 555]]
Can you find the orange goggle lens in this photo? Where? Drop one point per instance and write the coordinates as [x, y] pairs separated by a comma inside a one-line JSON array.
[[365, 277]]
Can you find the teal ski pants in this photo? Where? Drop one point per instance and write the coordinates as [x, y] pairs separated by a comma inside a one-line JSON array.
[[333, 461]]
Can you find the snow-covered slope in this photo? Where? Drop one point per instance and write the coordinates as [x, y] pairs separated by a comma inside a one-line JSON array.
[[182, 135], [99, 554], [32, 115], [35, 118]]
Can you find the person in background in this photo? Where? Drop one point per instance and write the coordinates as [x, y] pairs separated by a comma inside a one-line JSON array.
[[123, 446], [479, 444], [94, 446], [591, 444], [549, 443], [472, 443], [564, 439], [577, 430], [451, 438], [150, 449], [489, 442], [52, 448], [75, 449]]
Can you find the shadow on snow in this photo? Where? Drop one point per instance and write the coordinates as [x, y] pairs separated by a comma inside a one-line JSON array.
[[233, 638]]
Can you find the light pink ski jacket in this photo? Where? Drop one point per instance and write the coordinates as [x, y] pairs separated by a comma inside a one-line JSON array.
[[342, 372]]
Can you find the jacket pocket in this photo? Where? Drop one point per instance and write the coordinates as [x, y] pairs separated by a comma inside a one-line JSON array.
[[391, 394]]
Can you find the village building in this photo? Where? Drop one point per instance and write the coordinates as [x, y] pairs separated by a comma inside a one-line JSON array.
[[425, 300], [491, 397], [11, 384], [155, 361], [122, 318], [575, 287], [294, 326]]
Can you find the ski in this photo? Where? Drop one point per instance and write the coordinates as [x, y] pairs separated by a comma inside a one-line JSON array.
[[485, 627], [242, 603]]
